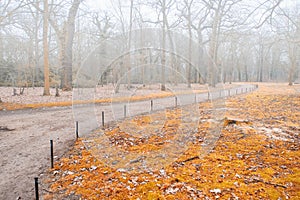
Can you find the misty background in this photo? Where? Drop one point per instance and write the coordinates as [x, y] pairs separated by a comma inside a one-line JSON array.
[[44, 43]]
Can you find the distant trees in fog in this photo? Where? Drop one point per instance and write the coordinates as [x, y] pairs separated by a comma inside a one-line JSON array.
[[235, 41]]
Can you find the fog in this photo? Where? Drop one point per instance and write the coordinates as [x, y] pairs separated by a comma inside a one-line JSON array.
[[52, 43]]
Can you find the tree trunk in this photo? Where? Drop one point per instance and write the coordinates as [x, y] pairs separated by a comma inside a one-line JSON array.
[[246, 73], [36, 47], [239, 72], [129, 48], [190, 46], [142, 56], [261, 62], [213, 50], [172, 56], [200, 57], [212, 64], [46, 49], [67, 58], [163, 57], [292, 70]]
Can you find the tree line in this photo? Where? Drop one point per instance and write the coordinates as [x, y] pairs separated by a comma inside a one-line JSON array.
[[45, 42]]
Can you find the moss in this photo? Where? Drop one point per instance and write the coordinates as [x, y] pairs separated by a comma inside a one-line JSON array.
[[245, 161]]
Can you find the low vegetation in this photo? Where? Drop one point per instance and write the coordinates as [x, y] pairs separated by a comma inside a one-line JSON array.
[[256, 157]]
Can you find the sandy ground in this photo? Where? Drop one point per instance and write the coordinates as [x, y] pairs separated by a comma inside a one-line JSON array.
[[25, 151]]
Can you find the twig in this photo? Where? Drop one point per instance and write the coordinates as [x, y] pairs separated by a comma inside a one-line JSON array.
[[190, 159], [256, 180], [4, 128], [274, 184]]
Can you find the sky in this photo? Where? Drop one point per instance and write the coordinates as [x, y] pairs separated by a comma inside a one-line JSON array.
[[103, 4], [100, 4]]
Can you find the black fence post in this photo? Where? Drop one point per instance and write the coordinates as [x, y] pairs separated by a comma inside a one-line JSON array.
[[77, 135], [51, 154], [102, 118], [175, 101], [36, 185], [151, 105]]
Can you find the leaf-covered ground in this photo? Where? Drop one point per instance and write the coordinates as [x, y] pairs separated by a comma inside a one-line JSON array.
[[256, 156]]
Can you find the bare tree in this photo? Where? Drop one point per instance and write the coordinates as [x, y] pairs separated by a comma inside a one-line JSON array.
[[69, 30], [163, 57], [9, 10], [199, 26], [46, 48], [292, 26], [163, 7], [129, 46], [226, 29], [65, 38], [219, 10], [187, 14], [64, 30]]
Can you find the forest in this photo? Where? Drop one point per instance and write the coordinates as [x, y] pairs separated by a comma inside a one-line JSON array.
[[48, 43], [149, 99]]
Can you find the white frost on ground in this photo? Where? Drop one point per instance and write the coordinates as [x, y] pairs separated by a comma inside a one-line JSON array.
[[276, 134]]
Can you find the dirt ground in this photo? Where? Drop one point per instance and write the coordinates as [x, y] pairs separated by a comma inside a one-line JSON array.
[[24, 146], [25, 149]]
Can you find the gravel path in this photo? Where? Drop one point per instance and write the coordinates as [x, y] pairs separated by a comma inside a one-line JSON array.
[[25, 150]]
